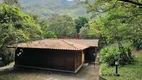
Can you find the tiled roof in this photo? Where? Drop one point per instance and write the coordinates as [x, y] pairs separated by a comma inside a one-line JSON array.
[[88, 42], [60, 44]]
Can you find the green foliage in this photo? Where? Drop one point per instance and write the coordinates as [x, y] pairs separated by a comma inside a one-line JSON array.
[[49, 34], [81, 22], [11, 2], [6, 57], [45, 8], [117, 21], [112, 29], [43, 24], [84, 32], [137, 44], [127, 72], [111, 54], [21, 24], [62, 25], [16, 26]]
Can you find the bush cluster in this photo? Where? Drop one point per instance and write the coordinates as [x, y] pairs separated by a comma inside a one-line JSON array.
[[6, 58], [111, 54]]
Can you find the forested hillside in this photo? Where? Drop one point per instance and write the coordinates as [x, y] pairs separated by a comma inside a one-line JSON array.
[[45, 8]]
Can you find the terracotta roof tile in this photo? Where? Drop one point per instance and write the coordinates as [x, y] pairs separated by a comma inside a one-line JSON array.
[[53, 44], [88, 42], [62, 44]]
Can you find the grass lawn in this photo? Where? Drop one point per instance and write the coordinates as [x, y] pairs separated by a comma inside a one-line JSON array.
[[128, 72]]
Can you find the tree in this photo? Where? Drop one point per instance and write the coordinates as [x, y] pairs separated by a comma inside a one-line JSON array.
[[12, 2], [101, 6], [81, 22], [120, 19], [84, 32], [44, 27], [139, 2], [16, 26], [62, 25], [49, 34]]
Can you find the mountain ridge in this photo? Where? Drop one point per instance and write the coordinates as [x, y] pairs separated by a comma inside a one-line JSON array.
[[45, 8]]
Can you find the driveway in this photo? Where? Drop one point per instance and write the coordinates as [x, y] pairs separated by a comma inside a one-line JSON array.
[[87, 72]]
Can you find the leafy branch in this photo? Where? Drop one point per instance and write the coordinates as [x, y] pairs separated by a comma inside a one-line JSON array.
[[132, 2]]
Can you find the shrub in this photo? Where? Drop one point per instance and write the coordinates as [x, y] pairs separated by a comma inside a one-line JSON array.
[[6, 58], [111, 54], [137, 44], [49, 34]]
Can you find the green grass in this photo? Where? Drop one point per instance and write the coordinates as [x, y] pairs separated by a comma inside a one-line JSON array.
[[128, 72]]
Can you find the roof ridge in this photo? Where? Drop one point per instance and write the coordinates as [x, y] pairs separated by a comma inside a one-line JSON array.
[[69, 44]]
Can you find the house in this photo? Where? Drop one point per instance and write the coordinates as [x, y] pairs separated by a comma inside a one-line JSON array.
[[91, 51], [52, 54]]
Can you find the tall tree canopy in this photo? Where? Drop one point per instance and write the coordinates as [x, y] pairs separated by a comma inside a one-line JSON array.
[[81, 22], [118, 20], [62, 25], [16, 26]]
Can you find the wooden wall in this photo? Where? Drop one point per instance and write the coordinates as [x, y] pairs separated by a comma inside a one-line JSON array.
[[48, 58], [78, 60], [90, 54]]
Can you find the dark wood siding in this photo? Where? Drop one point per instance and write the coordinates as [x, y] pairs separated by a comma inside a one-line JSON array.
[[78, 59], [90, 54], [48, 58]]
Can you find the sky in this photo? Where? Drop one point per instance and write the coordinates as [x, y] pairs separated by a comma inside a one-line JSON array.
[[70, 0], [1, 1]]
